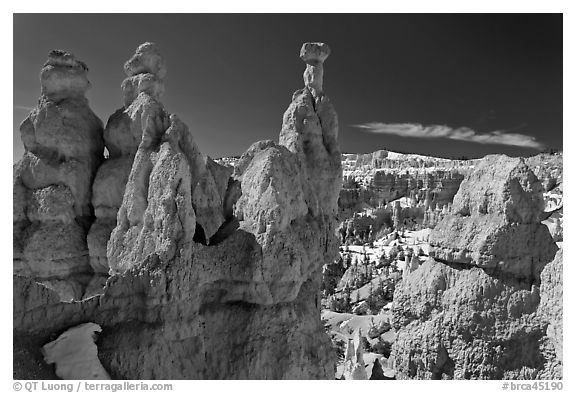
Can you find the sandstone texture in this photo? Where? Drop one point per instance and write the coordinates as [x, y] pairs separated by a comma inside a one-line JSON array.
[[52, 182], [555, 224], [142, 90], [548, 168], [476, 310], [215, 274], [495, 221], [550, 310]]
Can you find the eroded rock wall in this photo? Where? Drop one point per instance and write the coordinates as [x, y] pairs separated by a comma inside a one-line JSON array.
[[472, 312]]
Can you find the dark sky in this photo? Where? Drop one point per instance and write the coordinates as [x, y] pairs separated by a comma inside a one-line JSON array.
[[231, 77]]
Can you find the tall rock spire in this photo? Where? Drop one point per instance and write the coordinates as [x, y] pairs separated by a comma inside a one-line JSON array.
[[310, 129], [354, 366], [52, 182], [157, 141], [314, 54], [142, 89]]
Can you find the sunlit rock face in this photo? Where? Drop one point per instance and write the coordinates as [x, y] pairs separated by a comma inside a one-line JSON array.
[[310, 130], [495, 221], [142, 91], [472, 311], [214, 274], [52, 182], [548, 168]]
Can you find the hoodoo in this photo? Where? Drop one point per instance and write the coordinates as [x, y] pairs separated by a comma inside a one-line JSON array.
[[142, 90], [137, 256], [53, 181], [214, 274]]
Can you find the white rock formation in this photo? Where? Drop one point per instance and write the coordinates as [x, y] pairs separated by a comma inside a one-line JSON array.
[[354, 367]]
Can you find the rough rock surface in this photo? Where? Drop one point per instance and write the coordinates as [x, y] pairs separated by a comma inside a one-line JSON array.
[[555, 224], [548, 168], [474, 312], [310, 130], [495, 221], [52, 182], [142, 90], [63, 76], [550, 310], [213, 276]]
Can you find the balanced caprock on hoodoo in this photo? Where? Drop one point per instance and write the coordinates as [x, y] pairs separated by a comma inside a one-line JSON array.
[[191, 269], [208, 273]]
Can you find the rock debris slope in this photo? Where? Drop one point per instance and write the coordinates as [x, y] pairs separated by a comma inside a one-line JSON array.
[[52, 182], [475, 310], [214, 275]]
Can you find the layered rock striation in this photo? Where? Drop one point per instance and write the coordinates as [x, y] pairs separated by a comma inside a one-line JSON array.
[[474, 311], [372, 180], [214, 274], [53, 180]]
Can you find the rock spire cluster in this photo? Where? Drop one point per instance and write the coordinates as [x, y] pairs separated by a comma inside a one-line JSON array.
[[213, 274], [194, 270]]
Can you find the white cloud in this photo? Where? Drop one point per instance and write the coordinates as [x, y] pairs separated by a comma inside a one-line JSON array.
[[414, 130], [23, 108]]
